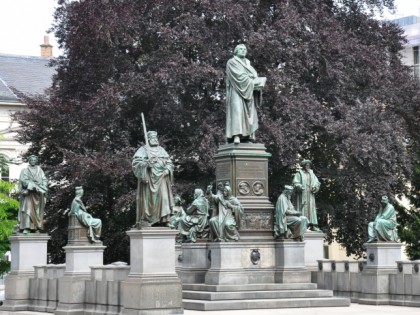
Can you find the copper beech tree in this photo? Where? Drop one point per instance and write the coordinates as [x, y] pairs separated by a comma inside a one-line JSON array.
[[336, 93]]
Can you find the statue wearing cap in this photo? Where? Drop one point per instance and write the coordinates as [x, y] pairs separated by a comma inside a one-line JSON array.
[[93, 225], [288, 222], [33, 187], [307, 185], [384, 228], [154, 171]]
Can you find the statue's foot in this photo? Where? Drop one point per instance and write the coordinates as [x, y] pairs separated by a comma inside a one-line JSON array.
[[236, 140], [371, 240], [25, 231]]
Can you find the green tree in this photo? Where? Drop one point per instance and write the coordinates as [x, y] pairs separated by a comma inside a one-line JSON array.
[[8, 214], [336, 94]]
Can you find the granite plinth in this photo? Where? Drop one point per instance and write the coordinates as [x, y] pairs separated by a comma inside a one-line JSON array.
[[27, 250], [152, 286], [79, 258], [290, 262], [382, 255]]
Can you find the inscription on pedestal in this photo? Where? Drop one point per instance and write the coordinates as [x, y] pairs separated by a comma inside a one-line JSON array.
[[248, 169], [223, 170], [257, 221]]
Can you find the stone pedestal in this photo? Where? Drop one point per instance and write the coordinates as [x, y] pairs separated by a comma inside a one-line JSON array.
[[290, 262], [314, 249], [195, 262], [79, 259], [152, 286], [27, 251], [382, 260], [238, 263], [72, 287], [245, 167], [382, 255]]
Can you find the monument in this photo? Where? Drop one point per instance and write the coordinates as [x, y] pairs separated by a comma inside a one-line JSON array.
[[152, 285], [83, 250], [28, 244]]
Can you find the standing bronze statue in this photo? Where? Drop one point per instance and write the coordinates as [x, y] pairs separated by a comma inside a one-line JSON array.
[[307, 185], [33, 187], [154, 171], [289, 223], [225, 222], [243, 94], [94, 226], [384, 228]]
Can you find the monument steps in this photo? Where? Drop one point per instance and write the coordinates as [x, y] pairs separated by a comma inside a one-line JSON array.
[[203, 297]]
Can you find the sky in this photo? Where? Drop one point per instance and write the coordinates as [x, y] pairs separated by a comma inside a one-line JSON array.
[[23, 24]]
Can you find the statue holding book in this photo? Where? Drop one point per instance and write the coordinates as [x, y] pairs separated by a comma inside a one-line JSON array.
[[243, 95]]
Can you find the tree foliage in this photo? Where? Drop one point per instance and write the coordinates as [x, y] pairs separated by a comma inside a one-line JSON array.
[[335, 94], [8, 213]]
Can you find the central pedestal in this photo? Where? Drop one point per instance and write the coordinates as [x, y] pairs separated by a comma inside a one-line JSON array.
[[244, 166], [152, 286]]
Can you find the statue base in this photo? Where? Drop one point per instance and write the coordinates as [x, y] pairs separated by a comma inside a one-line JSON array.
[[314, 249], [244, 166], [152, 286], [27, 250], [290, 262], [72, 287], [381, 261]]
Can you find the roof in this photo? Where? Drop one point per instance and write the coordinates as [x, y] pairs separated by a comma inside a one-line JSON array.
[[407, 20], [27, 74]]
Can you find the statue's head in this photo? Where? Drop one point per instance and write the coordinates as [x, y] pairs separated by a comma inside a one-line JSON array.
[[227, 192], [288, 190], [79, 191], [198, 193], [153, 138], [177, 200], [240, 51], [306, 164], [220, 186], [33, 160], [384, 200]]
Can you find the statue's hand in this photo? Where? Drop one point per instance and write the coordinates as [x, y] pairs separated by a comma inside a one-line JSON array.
[[165, 173], [209, 188]]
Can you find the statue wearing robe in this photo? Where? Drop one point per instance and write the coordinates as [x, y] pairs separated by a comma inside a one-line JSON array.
[[93, 225], [33, 187], [154, 171], [243, 93], [225, 223], [289, 223], [384, 228], [195, 221], [307, 185]]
